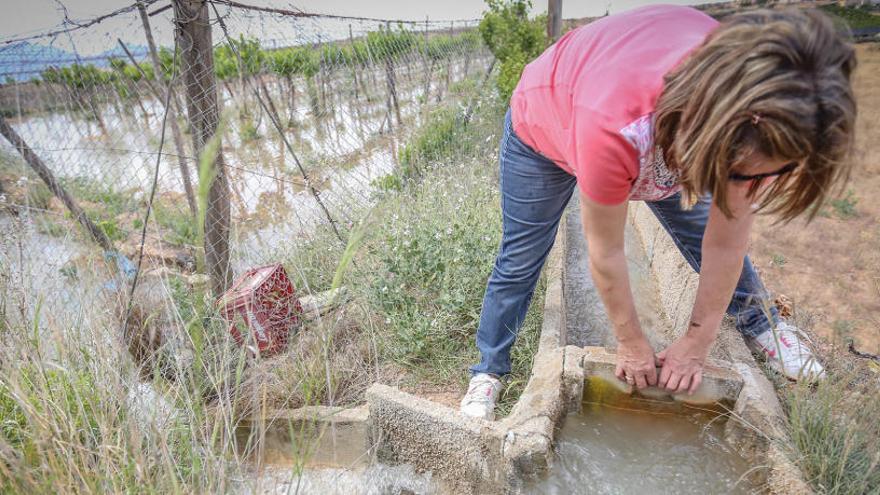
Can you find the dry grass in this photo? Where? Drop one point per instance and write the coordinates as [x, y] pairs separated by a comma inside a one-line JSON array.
[[828, 270], [76, 419], [330, 362]]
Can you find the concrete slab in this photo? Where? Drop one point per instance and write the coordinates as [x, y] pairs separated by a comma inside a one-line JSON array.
[[720, 388], [406, 429]]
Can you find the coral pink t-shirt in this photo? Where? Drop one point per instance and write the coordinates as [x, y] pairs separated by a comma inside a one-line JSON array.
[[587, 102]]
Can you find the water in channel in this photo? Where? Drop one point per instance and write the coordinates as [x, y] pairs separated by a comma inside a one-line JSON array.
[[607, 450]]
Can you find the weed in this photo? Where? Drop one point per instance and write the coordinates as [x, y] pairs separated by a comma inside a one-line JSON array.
[[442, 138], [181, 229], [70, 271], [845, 206], [249, 132], [843, 329], [835, 430], [38, 195], [853, 17], [79, 421], [777, 260], [111, 229], [105, 202], [52, 228]]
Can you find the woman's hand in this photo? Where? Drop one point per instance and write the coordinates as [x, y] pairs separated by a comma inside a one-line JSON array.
[[682, 364], [636, 363], [603, 228]]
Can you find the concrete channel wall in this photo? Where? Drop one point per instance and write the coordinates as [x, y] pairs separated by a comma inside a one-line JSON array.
[[475, 456]]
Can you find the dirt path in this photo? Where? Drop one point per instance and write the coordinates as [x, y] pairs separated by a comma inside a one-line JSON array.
[[830, 269]]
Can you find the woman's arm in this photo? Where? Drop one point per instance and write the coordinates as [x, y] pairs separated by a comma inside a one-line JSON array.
[[603, 229], [725, 244]]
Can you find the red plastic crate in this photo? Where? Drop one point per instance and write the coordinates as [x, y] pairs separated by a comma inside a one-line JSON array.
[[262, 309]]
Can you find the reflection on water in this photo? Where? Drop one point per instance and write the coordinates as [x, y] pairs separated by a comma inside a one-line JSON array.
[[614, 451]]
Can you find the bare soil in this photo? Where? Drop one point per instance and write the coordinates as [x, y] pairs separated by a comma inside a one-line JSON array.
[[829, 269]]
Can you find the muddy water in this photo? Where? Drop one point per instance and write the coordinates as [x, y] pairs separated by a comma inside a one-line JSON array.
[[613, 451], [338, 462], [373, 480]]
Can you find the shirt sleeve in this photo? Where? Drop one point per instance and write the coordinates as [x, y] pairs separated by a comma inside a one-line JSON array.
[[604, 162]]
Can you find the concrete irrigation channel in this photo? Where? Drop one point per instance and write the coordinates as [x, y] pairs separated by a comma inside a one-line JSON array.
[[573, 367]]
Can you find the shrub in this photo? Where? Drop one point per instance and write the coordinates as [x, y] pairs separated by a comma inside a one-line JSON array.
[[513, 38], [852, 17]]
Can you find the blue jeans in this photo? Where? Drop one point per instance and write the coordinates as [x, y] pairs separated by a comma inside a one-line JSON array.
[[534, 194]]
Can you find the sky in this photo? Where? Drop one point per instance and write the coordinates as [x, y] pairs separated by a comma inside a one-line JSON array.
[[29, 16]]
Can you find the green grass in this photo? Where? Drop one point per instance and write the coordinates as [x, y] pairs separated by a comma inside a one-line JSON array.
[[105, 202], [432, 142], [12, 170], [249, 131], [180, 226], [416, 283], [428, 261], [777, 260], [424, 267], [428, 264], [835, 431], [102, 204], [53, 228], [854, 17], [845, 206], [69, 424]]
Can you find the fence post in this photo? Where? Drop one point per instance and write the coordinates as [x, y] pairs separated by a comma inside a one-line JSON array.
[[49, 178], [554, 19], [193, 31], [449, 57], [172, 113], [389, 77]]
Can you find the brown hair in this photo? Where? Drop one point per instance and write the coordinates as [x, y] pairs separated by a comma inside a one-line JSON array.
[[792, 70]]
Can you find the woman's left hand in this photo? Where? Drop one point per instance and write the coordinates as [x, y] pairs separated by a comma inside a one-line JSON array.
[[682, 364]]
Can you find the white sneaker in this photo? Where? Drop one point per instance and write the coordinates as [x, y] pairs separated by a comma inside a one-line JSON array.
[[479, 401], [785, 351]]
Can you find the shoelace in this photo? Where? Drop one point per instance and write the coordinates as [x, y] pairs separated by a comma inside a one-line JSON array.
[[479, 390], [793, 338]]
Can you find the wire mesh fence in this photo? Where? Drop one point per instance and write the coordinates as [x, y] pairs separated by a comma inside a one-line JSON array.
[[209, 138], [154, 157]]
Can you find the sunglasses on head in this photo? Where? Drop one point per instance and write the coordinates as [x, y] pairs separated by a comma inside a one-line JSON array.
[[745, 177]]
